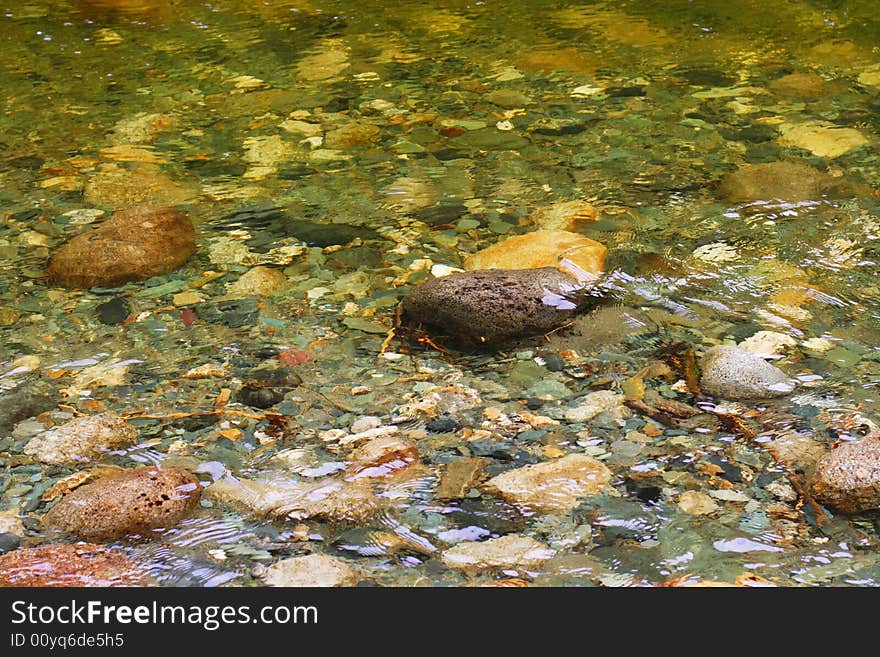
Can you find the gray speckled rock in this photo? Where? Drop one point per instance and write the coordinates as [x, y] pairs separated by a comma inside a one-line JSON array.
[[847, 479], [494, 303], [734, 373]]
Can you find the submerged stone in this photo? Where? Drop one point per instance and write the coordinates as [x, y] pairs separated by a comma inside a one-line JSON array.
[[734, 373], [311, 570], [505, 552], [494, 304], [134, 502], [132, 245], [79, 565], [553, 486], [847, 479], [82, 439], [790, 181], [570, 253]]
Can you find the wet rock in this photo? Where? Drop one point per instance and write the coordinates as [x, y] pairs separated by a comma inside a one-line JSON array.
[[768, 343], [354, 134], [78, 565], [276, 496], [312, 570], [790, 181], [132, 245], [494, 304], [509, 551], [459, 477], [443, 424], [82, 439], [326, 234], [381, 456], [508, 98], [9, 542], [134, 502], [27, 400], [233, 313], [266, 386], [10, 523], [570, 253], [553, 486], [118, 187], [847, 479], [796, 449], [696, 503], [734, 373], [800, 85], [822, 139], [564, 216], [114, 311], [259, 281], [595, 403]]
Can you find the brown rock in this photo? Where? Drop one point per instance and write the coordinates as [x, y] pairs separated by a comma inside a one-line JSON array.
[[353, 134], [134, 502], [786, 181], [847, 479], [132, 245], [459, 477], [381, 456], [800, 85], [77, 565], [553, 486], [494, 304], [508, 551], [565, 215], [115, 186], [570, 253]]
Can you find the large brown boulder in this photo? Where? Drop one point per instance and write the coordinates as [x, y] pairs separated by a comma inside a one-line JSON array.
[[132, 245], [70, 565], [847, 479], [131, 503]]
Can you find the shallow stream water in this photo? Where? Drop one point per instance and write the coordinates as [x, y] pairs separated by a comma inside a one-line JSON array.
[[354, 146]]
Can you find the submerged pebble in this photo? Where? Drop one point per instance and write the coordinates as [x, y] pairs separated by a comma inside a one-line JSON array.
[[734, 373]]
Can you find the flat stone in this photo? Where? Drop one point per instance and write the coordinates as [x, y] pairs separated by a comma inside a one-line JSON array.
[[696, 503], [312, 570], [821, 139], [790, 181], [459, 477], [597, 402], [81, 440], [77, 565], [553, 486], [508, 551]]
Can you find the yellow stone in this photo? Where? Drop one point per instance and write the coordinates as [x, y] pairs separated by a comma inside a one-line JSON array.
[[568, 252], [821, 139], [187, 298], [565, 215]]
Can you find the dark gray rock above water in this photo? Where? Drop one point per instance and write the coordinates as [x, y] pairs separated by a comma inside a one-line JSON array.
[[494, 303], [847, 479], [733, 373]]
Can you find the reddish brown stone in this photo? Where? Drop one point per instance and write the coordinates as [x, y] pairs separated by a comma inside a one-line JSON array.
[[77, 565], [132, 245]]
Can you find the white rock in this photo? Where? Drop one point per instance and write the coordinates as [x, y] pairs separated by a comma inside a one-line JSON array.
[[365, 423], [82, 439], [818, 345], [768, 343], [312, 570], [505, 552], [10, 523]]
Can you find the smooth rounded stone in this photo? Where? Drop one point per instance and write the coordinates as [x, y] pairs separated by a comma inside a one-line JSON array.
[[79, 565], [132, 245], [259, 281], [847, 479], [114, 311], [119, 187], [134, 502], [353, 134], [734, 373], [570, 253], [9, 542], [552, 486], [82, 439], [594, 403], [510, 551], [311, 570], [790, 181], [494, 304]]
